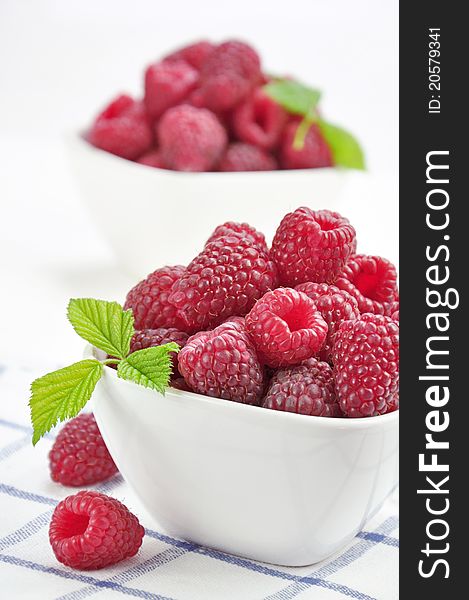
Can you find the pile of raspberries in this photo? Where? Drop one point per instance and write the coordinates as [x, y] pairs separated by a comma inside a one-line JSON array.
[[204, 109], [306, 326]]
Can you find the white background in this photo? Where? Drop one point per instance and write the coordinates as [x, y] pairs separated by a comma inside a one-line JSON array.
[[61, 60]]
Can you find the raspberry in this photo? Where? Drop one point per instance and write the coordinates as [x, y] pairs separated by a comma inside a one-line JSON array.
[[194, 54], [259, 120], [314, 153], [372, 280], [307, 389], [223, 363], [228, 75], [366, 366], [246, 157], [79, 455], [394, 311], [119, 106], [312, 246], [179, 383], [122, 129], [246, 231], [149, 300], [152, 159], [191, 139], [335, 306], [157, 337], [286, 327], [90, 531], [225, 279], [167, 84]]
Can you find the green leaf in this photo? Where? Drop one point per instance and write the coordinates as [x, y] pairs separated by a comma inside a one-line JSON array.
[[346, 151], [62, 394], [295, 97], [150, 367], [103, 324], [301, 100]]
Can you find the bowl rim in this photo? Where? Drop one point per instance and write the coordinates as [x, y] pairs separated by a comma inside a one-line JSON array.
[[80, 138], [344, 423]]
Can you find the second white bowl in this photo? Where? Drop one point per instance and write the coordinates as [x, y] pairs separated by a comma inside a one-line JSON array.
[[152, 217]]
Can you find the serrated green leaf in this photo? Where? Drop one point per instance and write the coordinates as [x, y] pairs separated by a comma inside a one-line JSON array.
[[104, 324], [62, 394], [295, 97], [150, 367], [346, 151]]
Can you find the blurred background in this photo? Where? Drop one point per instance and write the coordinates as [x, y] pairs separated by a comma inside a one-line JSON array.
[[60, 62]]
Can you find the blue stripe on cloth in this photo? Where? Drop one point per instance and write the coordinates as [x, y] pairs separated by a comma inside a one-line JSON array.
[[306, 581], [379, 538], [17, 426], [299, 583], [169, 540], [105, 584], [148, 566], [353, 553], [109, 485], [341, 589], [25, 428], [356, 550], [259, 567], [23, 495], [16, 445], [25, 532]]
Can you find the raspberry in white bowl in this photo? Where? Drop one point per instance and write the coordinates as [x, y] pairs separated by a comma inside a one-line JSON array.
[[218, 401], [212, 138]]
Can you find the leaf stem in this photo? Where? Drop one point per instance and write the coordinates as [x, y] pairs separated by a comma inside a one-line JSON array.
[[303, 128], [111, 361]]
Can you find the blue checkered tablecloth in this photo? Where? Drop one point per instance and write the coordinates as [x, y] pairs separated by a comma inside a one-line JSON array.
[[165, 568]]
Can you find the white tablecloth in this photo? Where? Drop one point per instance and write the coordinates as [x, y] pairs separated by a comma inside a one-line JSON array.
[[165, 568]]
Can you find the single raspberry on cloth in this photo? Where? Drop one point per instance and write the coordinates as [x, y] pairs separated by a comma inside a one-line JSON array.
[[79, 455], [312, 245], [91, 531], [223, 363], [335, 306], [122, 129], [149, 300], [307, 389], [246, 157], [286, 327], [191, 139], [168, 84], [366, 366], [225, 279], [372, 281]]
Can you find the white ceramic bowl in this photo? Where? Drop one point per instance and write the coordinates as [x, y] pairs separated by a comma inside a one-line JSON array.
[[276, 487], [155, 217]]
